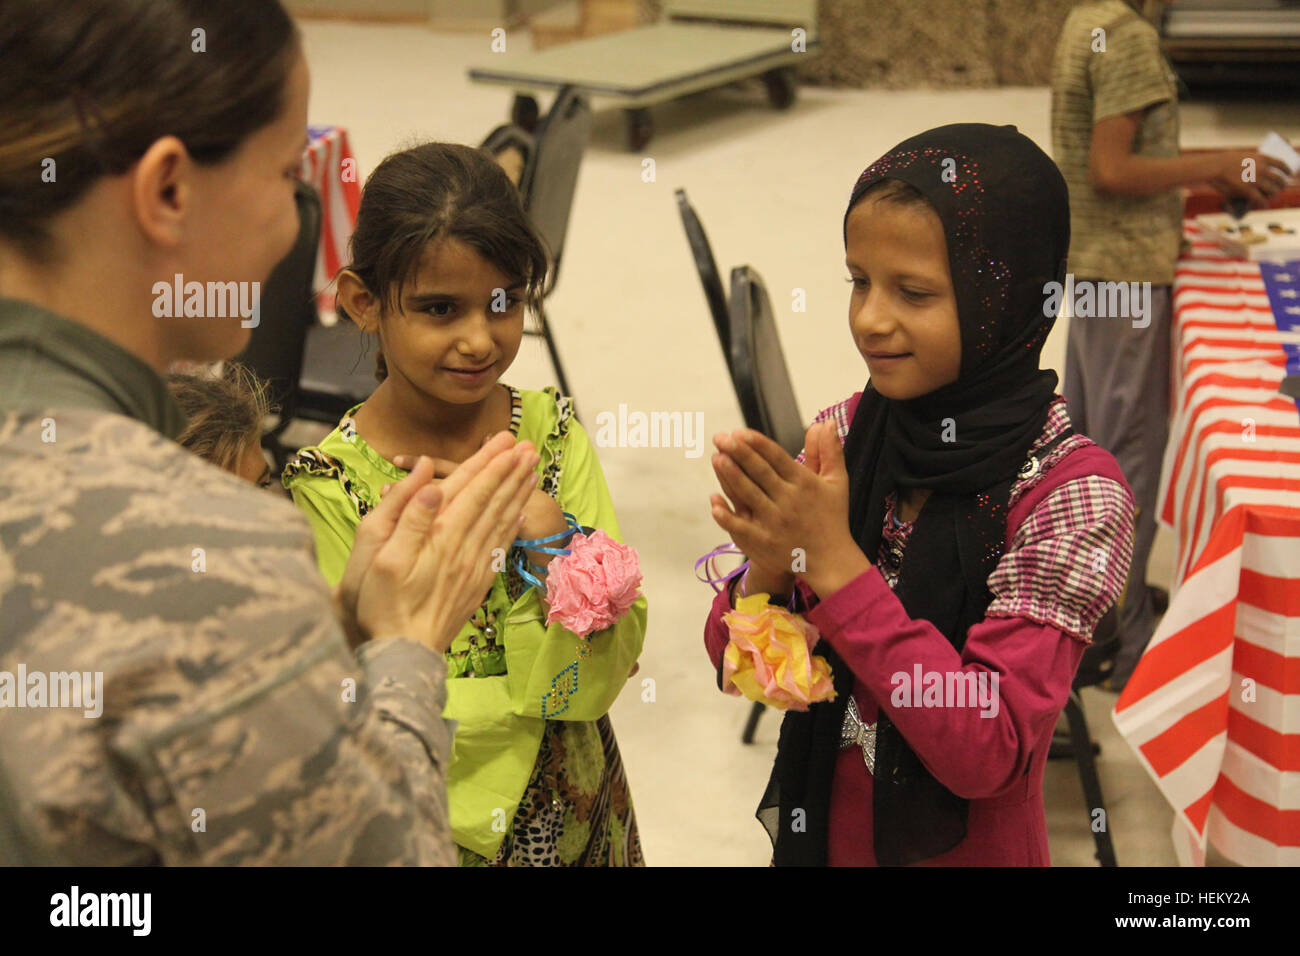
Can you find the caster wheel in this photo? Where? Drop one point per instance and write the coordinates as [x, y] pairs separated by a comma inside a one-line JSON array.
[[524, 112], [781, 87], [640, 127]]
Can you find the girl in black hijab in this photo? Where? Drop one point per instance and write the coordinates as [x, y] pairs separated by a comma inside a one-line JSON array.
[[939, 553]]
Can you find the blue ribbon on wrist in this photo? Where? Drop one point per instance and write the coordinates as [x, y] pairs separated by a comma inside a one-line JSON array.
[[529, 571]]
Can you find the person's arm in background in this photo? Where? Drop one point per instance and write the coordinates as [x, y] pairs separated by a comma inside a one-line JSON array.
[[1114, 169], [1128, 79]]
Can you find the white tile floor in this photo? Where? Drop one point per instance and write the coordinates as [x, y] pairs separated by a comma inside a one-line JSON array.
[[633, 328]]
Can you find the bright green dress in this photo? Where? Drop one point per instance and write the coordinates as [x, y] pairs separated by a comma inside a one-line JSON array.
[[536, 777]]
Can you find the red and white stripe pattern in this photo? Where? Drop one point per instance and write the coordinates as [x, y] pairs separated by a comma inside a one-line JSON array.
[[329, 166], [1213, 709]]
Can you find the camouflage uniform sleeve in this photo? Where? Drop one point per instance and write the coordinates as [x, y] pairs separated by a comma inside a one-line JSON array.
[[267, 778], [410, 681], [233, 725], [281, 774], [315, 762]]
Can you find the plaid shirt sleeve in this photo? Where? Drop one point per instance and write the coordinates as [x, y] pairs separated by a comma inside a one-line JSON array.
[[1069, 559], [839, 414]]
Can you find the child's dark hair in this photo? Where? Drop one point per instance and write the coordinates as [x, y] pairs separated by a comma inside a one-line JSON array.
[[894, 191], [225, 413], [439, 191]]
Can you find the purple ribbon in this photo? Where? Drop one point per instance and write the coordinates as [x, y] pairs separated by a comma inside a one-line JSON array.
[[711, 577]]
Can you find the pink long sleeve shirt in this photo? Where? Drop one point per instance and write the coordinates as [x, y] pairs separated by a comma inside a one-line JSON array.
[[1065, 560]]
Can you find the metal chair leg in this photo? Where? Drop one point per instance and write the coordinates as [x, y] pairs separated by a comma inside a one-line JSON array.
[[751, 724], [545, 333], [1082, 743]]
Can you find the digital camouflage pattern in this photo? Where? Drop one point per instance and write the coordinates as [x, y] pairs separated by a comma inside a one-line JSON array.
[[228, 735]]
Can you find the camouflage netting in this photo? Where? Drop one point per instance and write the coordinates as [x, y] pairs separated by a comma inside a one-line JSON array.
[[1023, 34], [930, 43], [937, 43]]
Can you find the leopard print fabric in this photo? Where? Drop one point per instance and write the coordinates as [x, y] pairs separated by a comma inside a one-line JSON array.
[[314, 462]]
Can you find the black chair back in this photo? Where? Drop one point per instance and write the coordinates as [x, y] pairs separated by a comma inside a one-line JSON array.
[[757, 363], [313, 372], [288, 310], [509, 136], [551, 177], [707, 268], [338, 371]]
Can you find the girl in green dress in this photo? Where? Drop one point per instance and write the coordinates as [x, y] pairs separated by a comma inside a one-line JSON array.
[[445, 264]]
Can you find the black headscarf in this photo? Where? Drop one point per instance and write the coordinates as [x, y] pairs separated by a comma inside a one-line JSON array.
[[1005, 213]]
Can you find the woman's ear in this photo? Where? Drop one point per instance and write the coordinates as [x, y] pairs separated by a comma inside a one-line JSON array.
[[162, 191], [357, 301]]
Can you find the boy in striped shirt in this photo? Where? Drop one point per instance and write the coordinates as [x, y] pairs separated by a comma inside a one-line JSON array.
[[1115, 138]]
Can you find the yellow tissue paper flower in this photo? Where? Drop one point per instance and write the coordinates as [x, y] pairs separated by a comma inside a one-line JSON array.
[[769, 657]]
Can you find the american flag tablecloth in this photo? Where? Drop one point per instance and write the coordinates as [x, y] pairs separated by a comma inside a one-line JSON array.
[[329, 166], [1213, 709]]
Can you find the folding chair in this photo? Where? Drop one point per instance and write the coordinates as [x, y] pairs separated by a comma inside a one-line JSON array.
[[758, 367], [750, 343], [1097, 663], [313, 372], [549, 180], [714, 294], [287, 311]]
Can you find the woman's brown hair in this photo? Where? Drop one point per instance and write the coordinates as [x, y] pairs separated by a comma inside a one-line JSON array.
[[225, 413], [87, 86], [436, 191]]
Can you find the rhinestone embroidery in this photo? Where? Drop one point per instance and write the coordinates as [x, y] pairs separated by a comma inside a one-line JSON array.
[[563, 686], [854, 733], [975, 267]]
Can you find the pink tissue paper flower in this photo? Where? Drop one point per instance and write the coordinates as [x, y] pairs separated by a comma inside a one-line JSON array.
[[594, 585]]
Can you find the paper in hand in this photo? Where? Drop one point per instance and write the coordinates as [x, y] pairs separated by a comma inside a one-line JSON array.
[[1277, 147]]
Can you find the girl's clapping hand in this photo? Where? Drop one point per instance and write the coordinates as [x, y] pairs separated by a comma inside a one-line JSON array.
[[784, 515], [442, 468]]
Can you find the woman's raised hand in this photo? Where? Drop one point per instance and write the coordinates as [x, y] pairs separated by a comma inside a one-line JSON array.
[[423, 558]]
